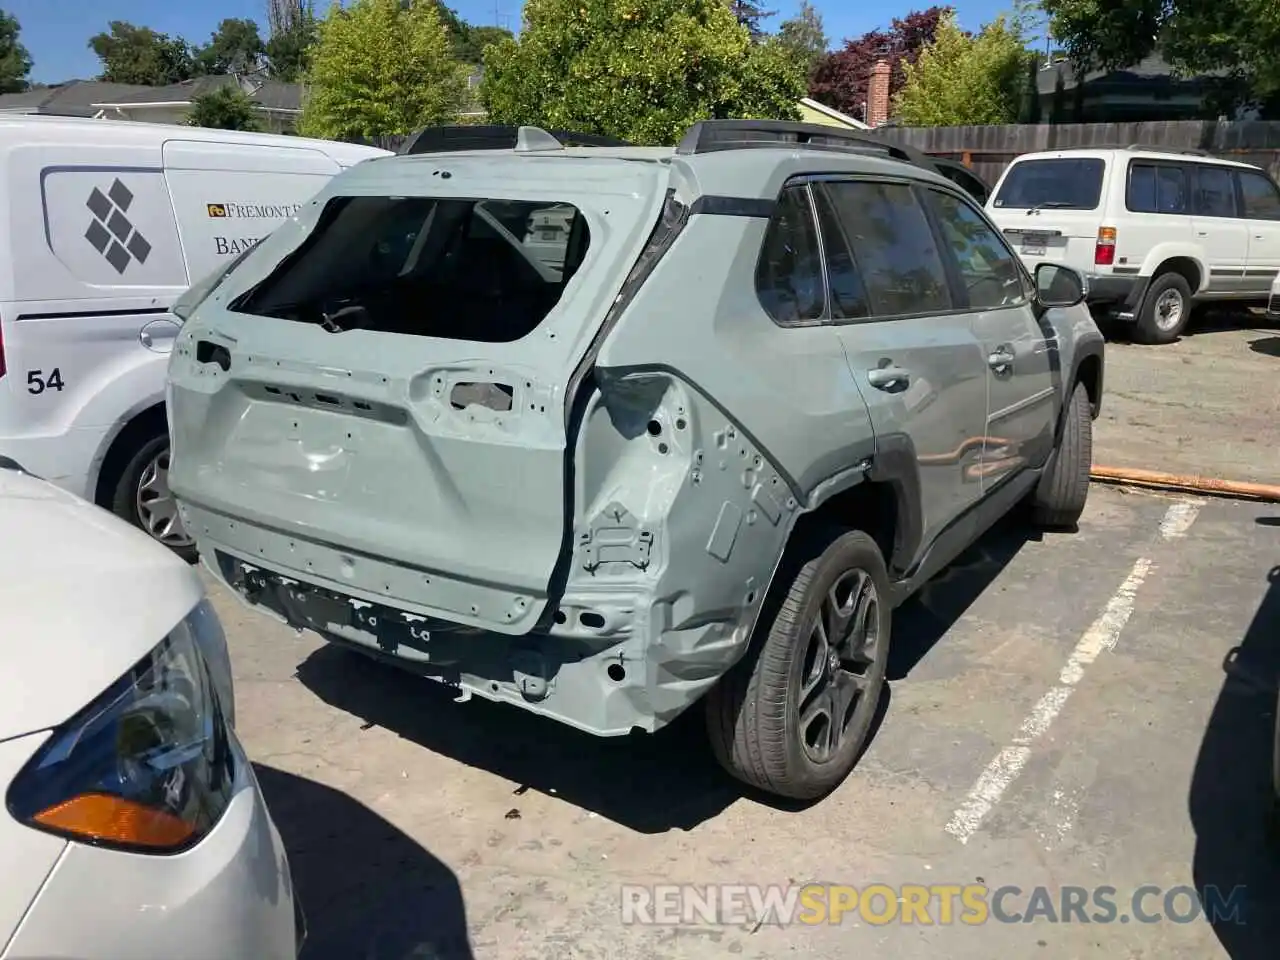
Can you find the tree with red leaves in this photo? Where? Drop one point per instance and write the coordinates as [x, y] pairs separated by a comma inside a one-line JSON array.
[[840, 78]]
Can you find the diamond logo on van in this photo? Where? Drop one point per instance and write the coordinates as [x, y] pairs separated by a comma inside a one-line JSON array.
[[111, 233]]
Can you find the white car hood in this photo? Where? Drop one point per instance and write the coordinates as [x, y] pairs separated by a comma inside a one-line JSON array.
[[83, 596]]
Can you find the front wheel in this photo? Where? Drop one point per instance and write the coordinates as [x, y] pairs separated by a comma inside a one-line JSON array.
[[1058, 500], [793, 716], [142, 497]]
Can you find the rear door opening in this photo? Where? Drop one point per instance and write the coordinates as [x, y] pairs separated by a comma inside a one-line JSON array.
[[480, 270], [381, 408]]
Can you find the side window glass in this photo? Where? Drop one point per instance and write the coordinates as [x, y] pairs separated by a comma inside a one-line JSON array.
[[988, 270], [1156, 188], [894, 246], [789, 272], [1141, 196], [1261, 199], [1215, 192], [846, 289]]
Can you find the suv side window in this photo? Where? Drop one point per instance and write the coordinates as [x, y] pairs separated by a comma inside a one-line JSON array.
[[989, 272], [1261, 199], [1215, 192], [789, 271], [893, 244], [1156, 188]]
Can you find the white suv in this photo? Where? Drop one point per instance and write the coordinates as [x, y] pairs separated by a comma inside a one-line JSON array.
[[1155, 231]]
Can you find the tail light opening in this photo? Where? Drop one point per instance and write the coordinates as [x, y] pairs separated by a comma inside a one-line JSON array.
[[1104, 251]]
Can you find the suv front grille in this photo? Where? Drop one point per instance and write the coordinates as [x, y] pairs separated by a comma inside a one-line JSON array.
[[1274, 305]]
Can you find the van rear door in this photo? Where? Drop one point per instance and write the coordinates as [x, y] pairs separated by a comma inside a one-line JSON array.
[[374, 401], [1050, 207]]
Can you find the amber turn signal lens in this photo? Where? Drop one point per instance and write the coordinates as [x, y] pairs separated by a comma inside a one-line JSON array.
[[99, 816]]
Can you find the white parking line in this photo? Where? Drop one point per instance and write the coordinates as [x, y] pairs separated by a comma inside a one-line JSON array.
[[1101, 635]]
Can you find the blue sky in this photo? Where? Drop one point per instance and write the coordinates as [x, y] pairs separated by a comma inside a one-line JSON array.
[[57, 31]]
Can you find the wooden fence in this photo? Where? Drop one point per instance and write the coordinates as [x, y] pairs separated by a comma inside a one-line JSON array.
[[988, 150]]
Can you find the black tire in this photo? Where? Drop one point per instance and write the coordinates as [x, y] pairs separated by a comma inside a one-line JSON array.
[[754, 712], [1148, 328], [1059, 498], [124, 495]]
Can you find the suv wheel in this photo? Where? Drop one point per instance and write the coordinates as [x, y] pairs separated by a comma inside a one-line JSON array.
[[1166, 309], [793, 715], [1059, 498], [142, 497]]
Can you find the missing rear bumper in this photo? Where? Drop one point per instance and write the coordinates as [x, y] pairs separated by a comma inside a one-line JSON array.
[[607, 686]]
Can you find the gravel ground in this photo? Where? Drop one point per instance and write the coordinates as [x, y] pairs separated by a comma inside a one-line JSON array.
[[1207, 405]]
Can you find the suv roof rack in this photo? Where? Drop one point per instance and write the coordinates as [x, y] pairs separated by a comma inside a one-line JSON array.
[[709, 136], [1149, 148], [459, 137]]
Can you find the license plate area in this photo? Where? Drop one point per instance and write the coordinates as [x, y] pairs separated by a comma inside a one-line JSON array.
[[1034, 244]]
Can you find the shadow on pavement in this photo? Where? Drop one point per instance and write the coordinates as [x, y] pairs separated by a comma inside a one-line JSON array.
[[1269, 346], [650, 783], [646, 782], [1231, 792], [368, 890], [923, 620]]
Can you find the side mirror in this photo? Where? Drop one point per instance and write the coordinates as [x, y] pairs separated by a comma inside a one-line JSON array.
[[1058, 286]]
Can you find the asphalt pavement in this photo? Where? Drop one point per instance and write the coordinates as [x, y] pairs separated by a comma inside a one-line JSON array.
[[1072, 719]]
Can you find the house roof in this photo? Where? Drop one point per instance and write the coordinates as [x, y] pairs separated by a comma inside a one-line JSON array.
[[85, 98], [1153, 67], [75, 98], [267, 93], [834, 114]]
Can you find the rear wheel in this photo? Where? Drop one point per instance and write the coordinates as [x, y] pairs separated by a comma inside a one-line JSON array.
[[1166, 310], [142, 497], [793, 715]]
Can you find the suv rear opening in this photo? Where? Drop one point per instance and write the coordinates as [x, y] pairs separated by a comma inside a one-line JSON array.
[[481, 270]]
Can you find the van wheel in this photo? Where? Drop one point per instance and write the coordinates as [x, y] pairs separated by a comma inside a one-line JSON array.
[[143, 498], [1058, 499], [792, 716], [1166, 310]]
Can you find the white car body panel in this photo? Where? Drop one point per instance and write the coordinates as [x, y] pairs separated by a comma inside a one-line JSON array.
[[83, 597]]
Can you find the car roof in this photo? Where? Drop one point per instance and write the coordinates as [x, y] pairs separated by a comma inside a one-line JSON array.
[[742, 169], [75, 131], [1137, 152]]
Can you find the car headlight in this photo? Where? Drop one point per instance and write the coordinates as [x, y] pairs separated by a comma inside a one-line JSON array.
[[149, 766]]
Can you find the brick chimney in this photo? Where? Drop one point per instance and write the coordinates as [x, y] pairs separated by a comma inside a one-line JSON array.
[[878, 94]]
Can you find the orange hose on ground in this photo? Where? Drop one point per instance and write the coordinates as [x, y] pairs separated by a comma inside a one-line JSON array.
[[1190, 483]]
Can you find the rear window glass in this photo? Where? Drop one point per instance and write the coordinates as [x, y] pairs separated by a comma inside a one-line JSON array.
[[1069, 183], [485, 270]]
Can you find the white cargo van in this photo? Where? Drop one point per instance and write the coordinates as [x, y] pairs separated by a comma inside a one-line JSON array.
[[103, 224]]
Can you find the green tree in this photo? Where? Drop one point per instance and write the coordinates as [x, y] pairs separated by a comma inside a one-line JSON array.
[[962, 80], [470, 49], [804, 35], [226, 108], [15, 62], [236, 47], [379, 68], [131, 54], [294, 31], [1195, 36], [643, 71]]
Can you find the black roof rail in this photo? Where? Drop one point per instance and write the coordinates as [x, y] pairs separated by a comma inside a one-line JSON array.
[[455, 138], [709, 136], [1149, 148]]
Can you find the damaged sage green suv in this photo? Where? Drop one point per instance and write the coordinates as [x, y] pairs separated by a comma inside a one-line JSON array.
[[605, 431]]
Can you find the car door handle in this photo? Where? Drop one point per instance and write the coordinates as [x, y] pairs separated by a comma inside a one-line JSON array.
[[1000, 359], [890, 376]]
